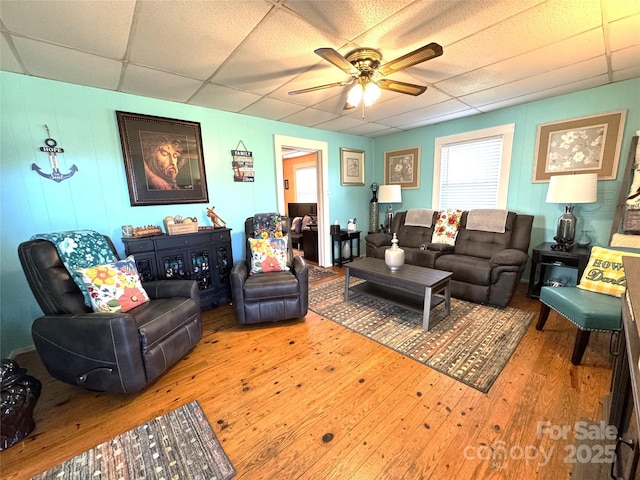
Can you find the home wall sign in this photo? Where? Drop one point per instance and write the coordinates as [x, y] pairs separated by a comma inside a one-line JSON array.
[[52, 149], [242, 164]]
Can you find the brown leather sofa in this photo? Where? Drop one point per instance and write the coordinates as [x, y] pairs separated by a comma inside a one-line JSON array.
[[112, 352], [486, 266]]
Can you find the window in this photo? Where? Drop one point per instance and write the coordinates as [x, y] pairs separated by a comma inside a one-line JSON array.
[[471, 170], [306, 184]]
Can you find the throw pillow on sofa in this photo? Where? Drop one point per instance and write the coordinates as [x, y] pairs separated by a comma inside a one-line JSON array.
[[447, 225]]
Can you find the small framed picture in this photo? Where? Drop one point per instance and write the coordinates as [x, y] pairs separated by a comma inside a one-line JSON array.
[[580, 145], [402, 167], [352, 167]]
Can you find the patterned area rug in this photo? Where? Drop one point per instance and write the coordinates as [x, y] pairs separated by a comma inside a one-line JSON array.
[[319, 273], [180, 444], [472, 345]]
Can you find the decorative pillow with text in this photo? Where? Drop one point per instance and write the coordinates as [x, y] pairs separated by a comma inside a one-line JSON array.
[[604, 272]]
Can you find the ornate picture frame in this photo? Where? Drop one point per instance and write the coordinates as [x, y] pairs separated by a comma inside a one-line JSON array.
[[351, 167], [163, 160], [588, 144], [402, 167]]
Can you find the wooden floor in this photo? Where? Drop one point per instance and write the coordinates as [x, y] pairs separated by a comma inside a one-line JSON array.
[[310, 399]]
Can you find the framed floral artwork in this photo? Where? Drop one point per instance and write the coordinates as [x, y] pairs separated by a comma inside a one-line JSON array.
[[351, 167], [580, 145], [163, 159], [402, 167]]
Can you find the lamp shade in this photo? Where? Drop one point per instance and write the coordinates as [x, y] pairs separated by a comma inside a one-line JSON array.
[[577, 188], [390, 194]]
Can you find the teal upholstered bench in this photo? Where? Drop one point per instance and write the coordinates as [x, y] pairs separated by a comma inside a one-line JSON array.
[[589, 311]]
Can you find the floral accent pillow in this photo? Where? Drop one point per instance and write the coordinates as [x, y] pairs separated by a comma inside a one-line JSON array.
[[446, 228], [114, 287], [266, 225], [268, 255]]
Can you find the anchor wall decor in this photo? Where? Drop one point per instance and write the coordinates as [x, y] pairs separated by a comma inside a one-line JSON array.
[[51, 147]]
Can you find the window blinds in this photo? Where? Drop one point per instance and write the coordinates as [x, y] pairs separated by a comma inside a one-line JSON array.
[[470, 173]]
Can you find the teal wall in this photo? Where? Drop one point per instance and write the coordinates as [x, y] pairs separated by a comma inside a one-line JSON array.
[[83, 122]]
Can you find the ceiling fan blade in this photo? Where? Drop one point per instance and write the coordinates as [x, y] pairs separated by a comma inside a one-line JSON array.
[[401, 87], [321, 87], [332, 56], [347, 106], [420, 55]]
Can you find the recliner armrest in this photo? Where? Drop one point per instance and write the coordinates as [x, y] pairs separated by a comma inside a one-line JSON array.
[[172, 288], [509, 257], [378, 239]]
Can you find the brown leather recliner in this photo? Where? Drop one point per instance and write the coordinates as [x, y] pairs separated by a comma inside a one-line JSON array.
[[270, 296], [112, 352]]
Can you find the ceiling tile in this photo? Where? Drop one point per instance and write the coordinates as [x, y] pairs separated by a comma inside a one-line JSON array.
[[627, 58], [148, 82], [190, 36], [614, 10], [8, 60], [269, 54], [573, 50], [423, 114], [366, 129], [223, 98], [339, 124], [66, 65], [570, 74], [346, 20], [309, 117], [624, 33], [271, 108], [543, 25], [95, 26]]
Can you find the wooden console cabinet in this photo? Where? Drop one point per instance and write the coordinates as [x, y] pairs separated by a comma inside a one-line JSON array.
[[204, 256]]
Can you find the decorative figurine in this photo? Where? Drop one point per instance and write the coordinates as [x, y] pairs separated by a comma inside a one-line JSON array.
[[52, 149], [217, 221]]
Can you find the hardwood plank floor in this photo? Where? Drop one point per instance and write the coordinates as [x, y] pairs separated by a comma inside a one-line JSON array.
[[310, 399]]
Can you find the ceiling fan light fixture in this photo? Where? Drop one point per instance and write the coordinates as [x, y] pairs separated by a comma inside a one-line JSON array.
[[370, 94]]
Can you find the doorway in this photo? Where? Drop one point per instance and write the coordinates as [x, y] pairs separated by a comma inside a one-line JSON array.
[[321, 151]]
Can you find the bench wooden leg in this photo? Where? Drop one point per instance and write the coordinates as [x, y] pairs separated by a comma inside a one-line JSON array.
[[582, 339], [542, 317]]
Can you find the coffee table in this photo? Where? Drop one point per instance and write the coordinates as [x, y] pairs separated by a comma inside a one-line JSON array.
[[417, 288]]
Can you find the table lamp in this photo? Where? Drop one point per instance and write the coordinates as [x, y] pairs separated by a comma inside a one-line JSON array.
[[389, 194], [570, 189]]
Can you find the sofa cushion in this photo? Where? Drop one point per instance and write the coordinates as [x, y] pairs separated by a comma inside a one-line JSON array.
[[484, 244], [466, 268], [270, 285]]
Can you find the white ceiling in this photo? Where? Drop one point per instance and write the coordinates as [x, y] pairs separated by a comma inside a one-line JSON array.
[[245, 56]]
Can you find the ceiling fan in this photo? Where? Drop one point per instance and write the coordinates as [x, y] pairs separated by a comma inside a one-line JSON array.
[[363, 65]]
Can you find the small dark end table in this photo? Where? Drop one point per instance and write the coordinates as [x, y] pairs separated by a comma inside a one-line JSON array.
[[544, 256], [344, 236]]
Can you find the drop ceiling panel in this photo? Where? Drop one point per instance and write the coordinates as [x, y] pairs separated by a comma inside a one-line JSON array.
[[309, 117], [278, 47], [66, 65], [573, 50], [191, 36], [422, 114], [542, 25], [8, 60], [92, 26], [223, 98], [347, 20], [271, 108], [148, 82], [538, 83], [624, 33], [341, 123]]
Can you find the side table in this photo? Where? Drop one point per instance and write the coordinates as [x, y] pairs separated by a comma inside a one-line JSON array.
[[543, 256], [336, 243]]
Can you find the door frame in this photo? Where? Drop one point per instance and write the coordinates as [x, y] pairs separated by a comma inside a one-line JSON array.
[[321, 150]]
